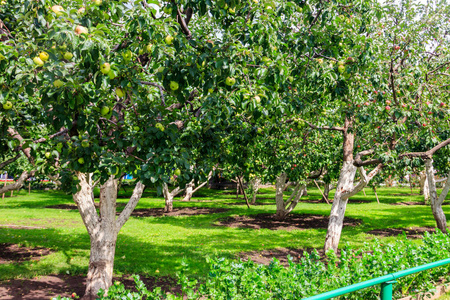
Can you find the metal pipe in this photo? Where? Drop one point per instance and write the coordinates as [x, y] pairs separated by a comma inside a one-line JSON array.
[[386, 281]]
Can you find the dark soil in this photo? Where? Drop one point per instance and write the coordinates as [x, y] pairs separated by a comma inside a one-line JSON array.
[[415, 203], [13, 253], [185, 211], [291, 222], [265, 256], [159, 212], [47, 287], [256, 204], [412, 233]]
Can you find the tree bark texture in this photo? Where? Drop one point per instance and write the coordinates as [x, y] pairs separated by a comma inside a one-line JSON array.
[[436, 202]]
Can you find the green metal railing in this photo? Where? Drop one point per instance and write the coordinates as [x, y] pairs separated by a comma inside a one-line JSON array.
[[386, 282]]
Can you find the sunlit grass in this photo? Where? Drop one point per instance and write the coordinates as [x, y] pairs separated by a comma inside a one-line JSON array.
[[146, 245]]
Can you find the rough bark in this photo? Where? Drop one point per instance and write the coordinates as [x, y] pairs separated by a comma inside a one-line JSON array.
[[436, 202], [102, 228], [191, 189], [18, 184], [285, 207], [424, 187], [345, 183], [254, 187], [326, 192], [345, 189], [169, 195]]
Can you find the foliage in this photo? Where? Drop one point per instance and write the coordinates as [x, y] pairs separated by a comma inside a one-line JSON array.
[[228, 279]]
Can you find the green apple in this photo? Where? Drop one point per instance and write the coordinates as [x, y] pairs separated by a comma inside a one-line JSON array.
[[81, 30], [105, 110], [168, 10], [38, 61], [174, 85], [105, 68], [341, 63], [43, 56], [230, 81], [7, 105], [160, 126], [47, 155], [120, 92], [68, 56], [341, 69], [169, 39], [127, 55], [111, 75], [291, 78], [58, 83], [136, 128], [149, 48], [57, 9], [98, 2], [84, 144], [177, 172], [81, 160]]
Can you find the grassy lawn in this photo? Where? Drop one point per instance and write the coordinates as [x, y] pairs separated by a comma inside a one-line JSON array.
[[156, 246]]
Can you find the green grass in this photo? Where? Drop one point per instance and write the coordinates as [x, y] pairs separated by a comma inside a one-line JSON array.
[[146, 245]]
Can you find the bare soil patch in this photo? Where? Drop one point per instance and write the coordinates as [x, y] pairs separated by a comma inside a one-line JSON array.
[[51, 286], [291, 222], [411, 233], [243, 203], [158, 212], [14, 253], [415, 203], [185, 211]]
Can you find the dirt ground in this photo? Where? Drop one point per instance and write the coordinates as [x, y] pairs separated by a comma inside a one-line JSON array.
[[159, 212], [291, 222], [411, 233], [46, 287]]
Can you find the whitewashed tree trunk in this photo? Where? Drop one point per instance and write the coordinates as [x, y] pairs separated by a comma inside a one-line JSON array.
[[326, 191], [336, 221], [103, 228], [424, 186], [189, 191], [436, 202], [254, 187], [285, 207], [169, 195], [18, 184]]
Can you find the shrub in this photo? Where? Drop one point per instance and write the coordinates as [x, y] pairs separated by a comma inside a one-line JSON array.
[[312, 275]]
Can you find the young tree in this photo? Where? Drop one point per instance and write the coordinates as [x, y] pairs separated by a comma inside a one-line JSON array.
[[131, 86]]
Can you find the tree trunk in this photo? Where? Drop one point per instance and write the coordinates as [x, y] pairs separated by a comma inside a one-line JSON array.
[[424, 186], [285, 207], [335, 224], [189, 191], [102, 228], [326, 191], [254, 187], [168, 197], [279, 188], [436, 202], [18, 184]]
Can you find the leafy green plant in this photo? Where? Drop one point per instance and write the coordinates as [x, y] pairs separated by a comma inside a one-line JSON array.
[[228, 279]]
